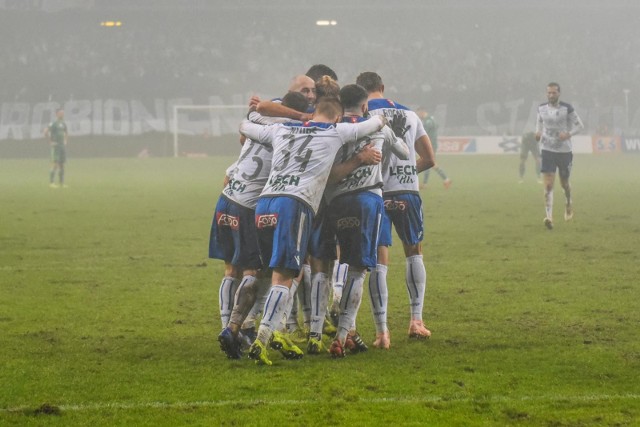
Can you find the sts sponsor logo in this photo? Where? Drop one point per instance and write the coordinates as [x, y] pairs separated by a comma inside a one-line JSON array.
[[266, 221], [225, 220]]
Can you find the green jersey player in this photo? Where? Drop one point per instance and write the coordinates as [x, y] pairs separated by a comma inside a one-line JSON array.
[[58, 137], [529, 144], [431, 127]]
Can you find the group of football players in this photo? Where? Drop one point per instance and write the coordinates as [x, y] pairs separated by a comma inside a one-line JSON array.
[[322, 176]]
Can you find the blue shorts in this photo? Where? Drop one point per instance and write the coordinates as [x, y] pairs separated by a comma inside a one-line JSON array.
[[322, 244], [560, 161], [404, 211], [233, 236], [284, 226], [357, 219]]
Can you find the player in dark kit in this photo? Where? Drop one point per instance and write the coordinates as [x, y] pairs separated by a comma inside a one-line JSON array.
[[528, 145], [58, 137]]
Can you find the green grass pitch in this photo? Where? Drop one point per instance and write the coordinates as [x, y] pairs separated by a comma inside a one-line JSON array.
[[108, 306]]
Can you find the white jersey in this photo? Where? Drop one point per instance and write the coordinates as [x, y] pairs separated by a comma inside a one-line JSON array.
[[552, 120], [304, 153], [249, 174], [400, 176], [366, 177]]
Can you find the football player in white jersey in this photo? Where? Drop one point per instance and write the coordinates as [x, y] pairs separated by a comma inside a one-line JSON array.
[[302, 160], [355, 207], [557, 122], [403, 209], [233, 237]]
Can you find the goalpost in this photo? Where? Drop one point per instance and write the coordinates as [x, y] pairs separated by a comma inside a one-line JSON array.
[[214, 119]]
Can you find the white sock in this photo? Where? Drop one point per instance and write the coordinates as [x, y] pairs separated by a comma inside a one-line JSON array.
[[273, 312], [263, 286], [338, 278], [319, 301], [305, 295], [416, 280], [350, 303], [548, 203], [379, 294], [290, 318], [226, 297], [244, 299]]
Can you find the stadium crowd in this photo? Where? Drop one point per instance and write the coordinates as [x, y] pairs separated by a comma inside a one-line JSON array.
[[449, 57]]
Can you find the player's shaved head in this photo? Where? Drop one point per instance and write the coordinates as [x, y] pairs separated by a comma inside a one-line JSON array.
[[306, 86], [371, 81]]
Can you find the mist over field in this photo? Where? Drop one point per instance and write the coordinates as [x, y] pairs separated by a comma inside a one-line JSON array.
[[109, 303], [119, 67]]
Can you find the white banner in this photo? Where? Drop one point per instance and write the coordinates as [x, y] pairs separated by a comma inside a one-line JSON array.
[[118, 117], [499, 144]]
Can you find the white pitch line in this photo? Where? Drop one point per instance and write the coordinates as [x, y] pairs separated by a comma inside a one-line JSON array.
[[427, 399]]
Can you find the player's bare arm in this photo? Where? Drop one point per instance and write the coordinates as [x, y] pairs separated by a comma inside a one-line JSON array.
[[275, 109], [427, 158], [367, 156]]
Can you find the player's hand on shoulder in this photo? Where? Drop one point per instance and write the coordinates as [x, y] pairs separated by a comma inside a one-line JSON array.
[[369, 155], [253, 103]]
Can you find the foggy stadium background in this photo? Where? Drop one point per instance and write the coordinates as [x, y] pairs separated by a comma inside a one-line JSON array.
[[479, 67]]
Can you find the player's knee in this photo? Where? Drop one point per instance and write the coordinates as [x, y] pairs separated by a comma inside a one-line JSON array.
[[411, 250]]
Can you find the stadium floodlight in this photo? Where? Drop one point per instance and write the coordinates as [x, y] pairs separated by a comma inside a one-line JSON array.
[[111, 24], [198, 119]]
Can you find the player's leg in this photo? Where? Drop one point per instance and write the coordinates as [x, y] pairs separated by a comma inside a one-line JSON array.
[[224, 244], [276, 217], [378, 289], [565, 161], [280, 340], [55, 162], [292, 324], [248, 328], [61, 173], [409, 225], [446, 181], [358, 229], [524, 154], [234, 236], [548, 169], [416, 282], [536, 157], [245, 296], [349, 306], [338, 278], [379, 298], [305, 300], [227, 293], [322, 252], [52, 173], [319, 297]]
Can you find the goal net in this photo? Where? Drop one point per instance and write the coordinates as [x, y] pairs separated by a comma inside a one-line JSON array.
[[200, 130]]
